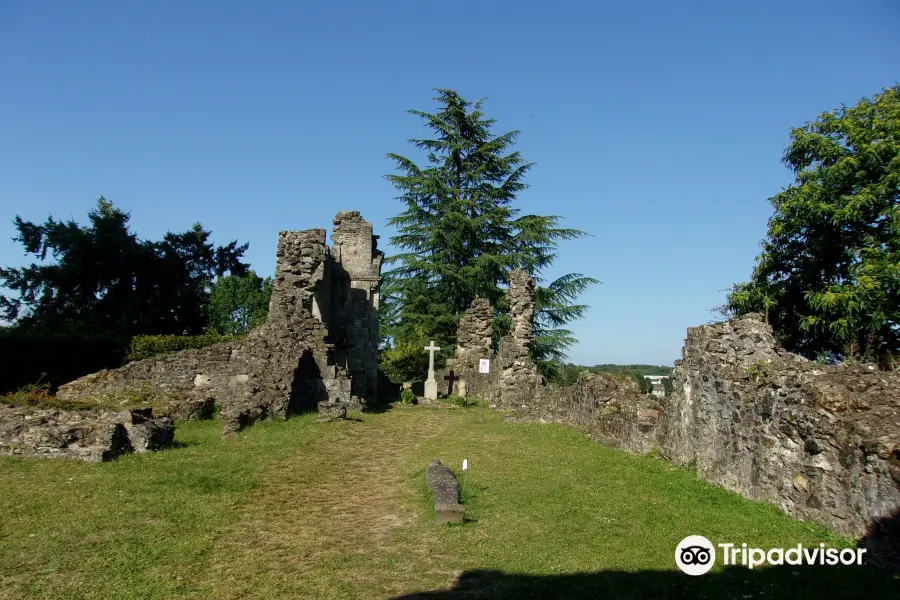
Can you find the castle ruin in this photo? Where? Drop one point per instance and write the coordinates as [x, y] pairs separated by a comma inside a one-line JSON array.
[[317, 348]]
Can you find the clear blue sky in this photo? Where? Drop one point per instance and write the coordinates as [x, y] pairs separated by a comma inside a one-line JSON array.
[[656, 126]]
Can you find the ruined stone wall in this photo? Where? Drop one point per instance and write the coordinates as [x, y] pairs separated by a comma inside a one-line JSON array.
[[355, 299], [91, 435], [514, 380], [474, 338], [520, 381], [612, 410], [819, 441], [321, 331]]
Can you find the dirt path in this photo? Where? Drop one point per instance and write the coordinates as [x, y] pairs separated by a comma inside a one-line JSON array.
[[347, 503]]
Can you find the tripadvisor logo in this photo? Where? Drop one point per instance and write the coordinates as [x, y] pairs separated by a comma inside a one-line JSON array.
[[696, 555]]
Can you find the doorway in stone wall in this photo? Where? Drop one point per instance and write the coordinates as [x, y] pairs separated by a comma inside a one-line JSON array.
[[307, 388]]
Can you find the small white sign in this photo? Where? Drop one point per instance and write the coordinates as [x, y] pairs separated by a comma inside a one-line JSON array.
[[465, 464], [484, 365]]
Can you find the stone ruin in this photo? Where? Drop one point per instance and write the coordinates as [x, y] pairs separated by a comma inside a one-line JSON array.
[[317, 349], [91, 434], [513, 379], [822, 442]]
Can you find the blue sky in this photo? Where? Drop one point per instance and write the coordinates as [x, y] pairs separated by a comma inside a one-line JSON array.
[[656, 126]]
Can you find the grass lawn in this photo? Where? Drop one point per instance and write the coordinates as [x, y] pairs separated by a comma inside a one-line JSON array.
[[302, 509]]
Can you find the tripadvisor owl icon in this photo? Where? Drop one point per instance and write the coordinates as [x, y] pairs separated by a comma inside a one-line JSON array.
[[695, 555]]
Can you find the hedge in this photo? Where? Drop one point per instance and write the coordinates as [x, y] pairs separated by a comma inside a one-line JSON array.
[[145, 346], [27, 359], [55, 359]]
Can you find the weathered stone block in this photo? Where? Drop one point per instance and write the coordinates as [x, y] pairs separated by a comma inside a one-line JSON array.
[[445, 493], [92, 435], [332, 411]]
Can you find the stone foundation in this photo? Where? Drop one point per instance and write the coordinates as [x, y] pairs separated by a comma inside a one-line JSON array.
[[91, 435]]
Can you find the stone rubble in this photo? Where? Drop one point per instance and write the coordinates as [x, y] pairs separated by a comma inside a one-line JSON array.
[[90, 434]]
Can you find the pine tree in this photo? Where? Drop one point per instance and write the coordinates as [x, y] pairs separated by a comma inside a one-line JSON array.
[[460, 234]]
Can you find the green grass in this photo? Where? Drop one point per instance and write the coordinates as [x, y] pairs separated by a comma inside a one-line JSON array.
[[302, 509]]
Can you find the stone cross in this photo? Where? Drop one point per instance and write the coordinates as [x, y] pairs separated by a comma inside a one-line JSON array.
[[431, 383]]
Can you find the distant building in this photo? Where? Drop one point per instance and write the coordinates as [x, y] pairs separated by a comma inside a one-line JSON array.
[[659, 388]]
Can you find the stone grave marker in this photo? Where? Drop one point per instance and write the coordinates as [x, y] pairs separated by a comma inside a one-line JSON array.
[[431, 383]]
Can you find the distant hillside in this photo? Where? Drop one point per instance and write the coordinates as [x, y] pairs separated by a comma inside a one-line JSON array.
[[631, 369]]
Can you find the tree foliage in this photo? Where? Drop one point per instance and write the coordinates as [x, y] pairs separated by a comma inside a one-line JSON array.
[[238, 303], [102, 278], [828, 278], [460, 234]]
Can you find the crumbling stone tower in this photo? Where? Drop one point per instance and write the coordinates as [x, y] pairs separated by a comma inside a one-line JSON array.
[[520, 380], [318, 346], [355, 290], [514, 380]]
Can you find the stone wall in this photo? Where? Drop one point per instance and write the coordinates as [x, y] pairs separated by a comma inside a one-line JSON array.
[[610, 409], [474, 340], [819, 441], [355, 298], [520, 381], [318, 346], [92, 435], [513, 380]]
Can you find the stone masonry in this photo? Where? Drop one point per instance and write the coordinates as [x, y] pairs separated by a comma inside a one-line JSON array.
[[514, 380], [611, 409], [444, 492], [821, 442], [520, 382], [474, 338], [91, 435], [318, 346]]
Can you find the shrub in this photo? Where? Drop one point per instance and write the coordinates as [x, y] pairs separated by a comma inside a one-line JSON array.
[[145, 346], [55, 359], [405, 361], [38, 395], [459, 401], [407, 397], [758, 371]]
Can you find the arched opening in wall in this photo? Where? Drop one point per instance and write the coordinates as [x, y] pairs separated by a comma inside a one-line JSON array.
[[307, 388]]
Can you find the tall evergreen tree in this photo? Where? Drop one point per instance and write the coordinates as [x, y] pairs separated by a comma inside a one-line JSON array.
[[460, 233]]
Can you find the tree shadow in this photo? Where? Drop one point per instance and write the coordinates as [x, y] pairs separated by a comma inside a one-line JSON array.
[[788, 582], [883, 542], [178, 444]]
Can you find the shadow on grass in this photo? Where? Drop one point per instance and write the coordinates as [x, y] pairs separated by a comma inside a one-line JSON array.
[[789, 582], [179, 444], [379, 407]]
